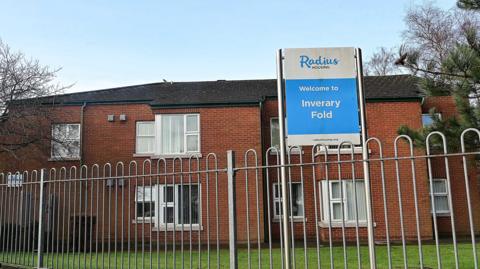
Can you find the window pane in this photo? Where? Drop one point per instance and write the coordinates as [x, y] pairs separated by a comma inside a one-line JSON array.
[[439, 186], [145, 210], [144, 194], [278, 208], [168, 214], [145, 144], [58, 150], [168, 195], [359, 209], [59, 131], [192, 123], [146, 128], [274, 133], [68, 149], [441, 203], [297, 200], [192, 143], [428, 119], [276, 194], [73, 148], [73, 131], [336, 211], [172, 134], [335, 192], [188, 210]]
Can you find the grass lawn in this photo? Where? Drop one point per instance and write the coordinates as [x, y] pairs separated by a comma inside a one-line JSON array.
[[155, 260]]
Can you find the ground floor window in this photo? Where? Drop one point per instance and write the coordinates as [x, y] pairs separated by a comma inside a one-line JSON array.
[[440, 195], [338, 195], [145, 203], [171, 204], [297, 205]]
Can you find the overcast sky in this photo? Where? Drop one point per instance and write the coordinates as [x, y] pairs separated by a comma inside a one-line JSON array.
[[102, 44]]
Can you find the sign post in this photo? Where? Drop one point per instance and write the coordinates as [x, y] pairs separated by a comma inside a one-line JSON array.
[[324, 103]]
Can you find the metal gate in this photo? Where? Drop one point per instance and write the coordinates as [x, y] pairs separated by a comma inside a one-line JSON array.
[[225, 210]]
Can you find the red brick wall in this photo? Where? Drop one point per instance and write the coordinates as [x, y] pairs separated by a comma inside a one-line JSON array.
[[239, 129], [446, 106], [222, 129]]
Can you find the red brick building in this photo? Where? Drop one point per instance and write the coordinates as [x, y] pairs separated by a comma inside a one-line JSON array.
[[169, 120]]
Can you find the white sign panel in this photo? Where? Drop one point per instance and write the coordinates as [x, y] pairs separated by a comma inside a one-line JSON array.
[[322, 104]]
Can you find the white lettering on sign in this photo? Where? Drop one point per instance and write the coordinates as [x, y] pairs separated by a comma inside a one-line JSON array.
[[321, 103], [322, 114]]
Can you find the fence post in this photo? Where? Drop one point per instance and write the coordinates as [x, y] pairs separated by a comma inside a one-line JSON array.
[[365, 157], [40, 221], [232, 210]]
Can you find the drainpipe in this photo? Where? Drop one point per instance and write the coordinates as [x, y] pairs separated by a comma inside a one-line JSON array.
[[264, 178], [82, 131]]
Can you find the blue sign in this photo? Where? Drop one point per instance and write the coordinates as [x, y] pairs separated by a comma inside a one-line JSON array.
[[322, 104]]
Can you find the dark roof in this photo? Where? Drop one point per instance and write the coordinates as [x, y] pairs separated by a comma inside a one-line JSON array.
[[225, 92]]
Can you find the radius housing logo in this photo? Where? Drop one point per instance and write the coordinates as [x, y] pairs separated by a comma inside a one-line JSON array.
[[317, 63]]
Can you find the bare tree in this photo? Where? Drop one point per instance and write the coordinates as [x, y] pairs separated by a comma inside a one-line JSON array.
[[432, 34], [442, 48], [382, 63], [24, 117]]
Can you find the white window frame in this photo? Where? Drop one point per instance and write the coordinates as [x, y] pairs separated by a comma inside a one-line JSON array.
[[153, 189], [52, 155], [277, 201], [441, 194], [439, 115], [159, 221], [158, 123], [137, 136], [331, 201]]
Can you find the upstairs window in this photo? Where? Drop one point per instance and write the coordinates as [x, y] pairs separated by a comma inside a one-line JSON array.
[[274, 133], [65, 141], [169, 134], [178, 133], [428, 119], [275, 136], [145, 137]]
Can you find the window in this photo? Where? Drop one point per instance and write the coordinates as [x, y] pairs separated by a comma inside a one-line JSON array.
[[334, 200], [275, 136], [440, 195], [145, 203], [145, 137], [428, 119], [173, 210], [168, 205], [345, 149], [14, 180], [274, 133], [169, 134], [297, 207], [66, 141]]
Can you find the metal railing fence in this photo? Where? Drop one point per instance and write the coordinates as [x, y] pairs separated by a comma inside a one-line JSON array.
[[225, 211]]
